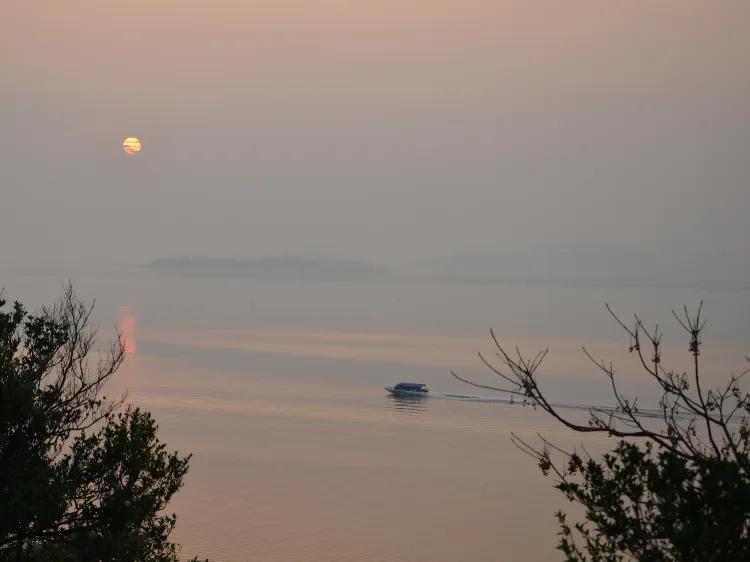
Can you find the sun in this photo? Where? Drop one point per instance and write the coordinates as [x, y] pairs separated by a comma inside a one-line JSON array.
[[131, 145]]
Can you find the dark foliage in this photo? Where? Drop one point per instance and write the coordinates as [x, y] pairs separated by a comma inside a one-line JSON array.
[[81, 479], [676, 487]]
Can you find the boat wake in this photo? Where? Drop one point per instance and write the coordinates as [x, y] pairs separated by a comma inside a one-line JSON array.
[[594, 408]]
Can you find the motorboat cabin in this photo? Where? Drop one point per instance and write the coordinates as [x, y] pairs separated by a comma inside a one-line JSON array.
[[408, 389]]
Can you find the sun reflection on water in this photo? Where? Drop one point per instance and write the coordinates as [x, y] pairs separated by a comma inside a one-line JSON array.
[[126, 325]]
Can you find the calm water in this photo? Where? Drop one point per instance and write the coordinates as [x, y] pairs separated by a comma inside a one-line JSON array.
[[298, 453]]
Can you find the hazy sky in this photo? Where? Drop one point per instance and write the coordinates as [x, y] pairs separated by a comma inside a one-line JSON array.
[[383, 130]]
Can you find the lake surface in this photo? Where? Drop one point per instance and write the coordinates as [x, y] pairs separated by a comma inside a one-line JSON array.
[[276, 387]]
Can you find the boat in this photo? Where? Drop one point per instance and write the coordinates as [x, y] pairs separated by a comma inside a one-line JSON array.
[[415, 389]]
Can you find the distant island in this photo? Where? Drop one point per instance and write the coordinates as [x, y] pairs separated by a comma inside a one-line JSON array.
[[275, 267], [556, 266]]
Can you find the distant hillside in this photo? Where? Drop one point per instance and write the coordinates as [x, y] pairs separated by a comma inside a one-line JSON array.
[[272, 267], [595, 266]]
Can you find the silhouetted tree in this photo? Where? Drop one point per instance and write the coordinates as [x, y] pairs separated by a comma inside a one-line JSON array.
[[677, 485], [81, 477]]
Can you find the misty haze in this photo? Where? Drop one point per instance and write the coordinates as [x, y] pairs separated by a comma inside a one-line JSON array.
[[283, 209]]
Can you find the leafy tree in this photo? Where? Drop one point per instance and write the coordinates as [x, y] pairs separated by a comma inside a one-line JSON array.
[[676, 487], [82, 478]]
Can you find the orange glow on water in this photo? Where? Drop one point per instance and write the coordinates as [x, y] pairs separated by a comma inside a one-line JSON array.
[[127, 329]]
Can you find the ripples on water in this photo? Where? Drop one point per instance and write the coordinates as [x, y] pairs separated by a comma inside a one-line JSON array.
[[405, 405]]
